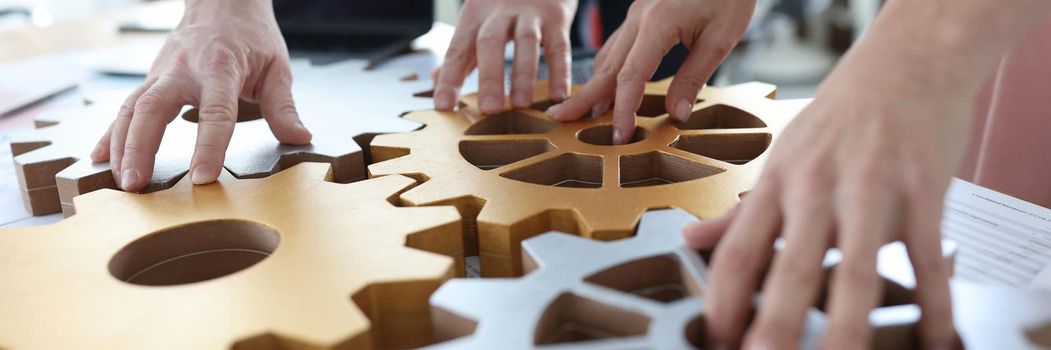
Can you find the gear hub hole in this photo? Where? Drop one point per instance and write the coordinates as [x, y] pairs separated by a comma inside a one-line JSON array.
[[193, 252], [602, 135], [246, 111]]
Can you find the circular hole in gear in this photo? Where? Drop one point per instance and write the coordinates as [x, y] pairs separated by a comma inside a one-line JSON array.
[[193, 252], [602, 135]]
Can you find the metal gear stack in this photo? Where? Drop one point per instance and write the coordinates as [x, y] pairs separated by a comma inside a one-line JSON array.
[[646, 292]]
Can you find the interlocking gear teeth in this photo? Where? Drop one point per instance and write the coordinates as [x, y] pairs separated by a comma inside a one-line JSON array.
[[45, 157], [644, 292], [343, 114], [53, 165], [512, 175], [345, 267], [568, 294]]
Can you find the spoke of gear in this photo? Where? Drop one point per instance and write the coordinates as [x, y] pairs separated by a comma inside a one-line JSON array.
[[288, 261], [53, 165], [518, 174], [645, 292]]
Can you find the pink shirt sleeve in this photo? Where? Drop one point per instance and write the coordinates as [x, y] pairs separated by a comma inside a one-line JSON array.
[[1010, 150]]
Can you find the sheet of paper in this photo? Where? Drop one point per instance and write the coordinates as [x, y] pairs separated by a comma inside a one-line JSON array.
[[1002, 240]]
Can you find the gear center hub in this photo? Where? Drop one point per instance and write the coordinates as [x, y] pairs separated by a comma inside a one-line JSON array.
[[194, 252]]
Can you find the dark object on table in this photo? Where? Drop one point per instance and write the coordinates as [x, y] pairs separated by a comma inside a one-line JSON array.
[[371, 30]]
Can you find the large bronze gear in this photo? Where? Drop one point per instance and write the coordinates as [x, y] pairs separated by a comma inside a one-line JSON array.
[[645, 292], [518, 174], [325, 265]]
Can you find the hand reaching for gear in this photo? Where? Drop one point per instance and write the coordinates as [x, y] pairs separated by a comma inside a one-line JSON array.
[[220, 52], [708, 28]]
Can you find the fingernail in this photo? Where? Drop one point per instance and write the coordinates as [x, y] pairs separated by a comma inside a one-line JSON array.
[[97, 152], [128, 178], [492, 105], [520, 100], [618, 137], [553, 110], [201, 175], [559, 94], [443, 101], [682, 111]]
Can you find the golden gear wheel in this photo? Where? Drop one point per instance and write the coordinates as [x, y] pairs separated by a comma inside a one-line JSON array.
[[517, 174], [288, 261]]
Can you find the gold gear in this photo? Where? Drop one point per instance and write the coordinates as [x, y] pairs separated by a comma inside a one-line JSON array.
[[517, 174], [324, 265]]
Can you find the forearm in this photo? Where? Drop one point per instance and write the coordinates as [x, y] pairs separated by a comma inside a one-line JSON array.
[[946, 44]]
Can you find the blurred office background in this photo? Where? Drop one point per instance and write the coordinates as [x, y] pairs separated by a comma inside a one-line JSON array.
[[791, 43]]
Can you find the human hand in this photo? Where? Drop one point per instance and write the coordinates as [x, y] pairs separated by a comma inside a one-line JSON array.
[[484, 28], [867, 163], [708, 28], [219, 52]]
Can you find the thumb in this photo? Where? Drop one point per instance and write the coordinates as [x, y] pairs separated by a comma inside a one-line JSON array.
[[279, 109]]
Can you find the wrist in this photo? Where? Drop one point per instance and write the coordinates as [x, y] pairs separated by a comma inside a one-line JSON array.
[[208, 11]]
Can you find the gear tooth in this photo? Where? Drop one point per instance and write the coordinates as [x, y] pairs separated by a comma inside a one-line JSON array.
[[41, 152], [396, 141], [432, 191], [96, 201], [84, 176], [305, 170], [49, 119], [400, 165], [403, 125], [387, 186], [471, 297], [27, 140], [659, 222], [551, 248], [422, 117]]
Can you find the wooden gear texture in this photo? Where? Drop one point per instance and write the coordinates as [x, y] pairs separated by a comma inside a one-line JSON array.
[[645, 292], [517, 174], [324, 265], [53, 165]]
